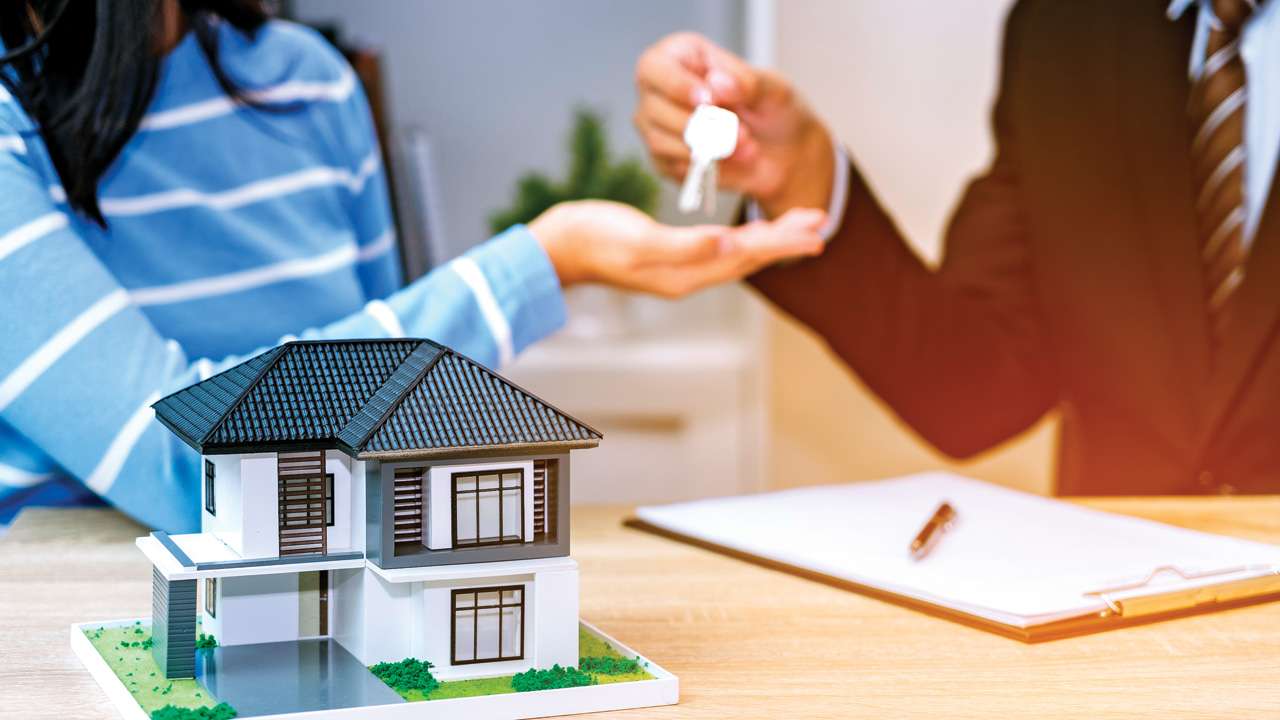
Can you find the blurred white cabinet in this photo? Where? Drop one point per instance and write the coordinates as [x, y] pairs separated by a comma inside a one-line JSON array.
[[682, 417]]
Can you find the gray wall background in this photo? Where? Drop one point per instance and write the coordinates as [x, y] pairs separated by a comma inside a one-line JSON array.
[[493, 83]]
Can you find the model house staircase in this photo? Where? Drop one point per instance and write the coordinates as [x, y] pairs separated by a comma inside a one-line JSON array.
[[407, 497], [303, 511]]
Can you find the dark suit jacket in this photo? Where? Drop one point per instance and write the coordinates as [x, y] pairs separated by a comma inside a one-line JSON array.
[[1071, 277]]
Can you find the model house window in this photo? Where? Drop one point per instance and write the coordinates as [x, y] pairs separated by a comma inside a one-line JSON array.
[[209, 473], [488, 507], [328, 500], [488, 624], [211, 597]]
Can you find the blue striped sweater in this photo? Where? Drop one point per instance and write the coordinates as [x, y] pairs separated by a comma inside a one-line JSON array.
[[229, 229]]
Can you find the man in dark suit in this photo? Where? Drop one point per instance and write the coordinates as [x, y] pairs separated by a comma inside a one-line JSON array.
[[1119, 260]]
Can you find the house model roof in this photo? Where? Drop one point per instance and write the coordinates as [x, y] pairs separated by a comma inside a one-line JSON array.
[[369, 398]]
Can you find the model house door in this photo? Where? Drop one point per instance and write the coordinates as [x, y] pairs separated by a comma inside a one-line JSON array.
[[313, 604]]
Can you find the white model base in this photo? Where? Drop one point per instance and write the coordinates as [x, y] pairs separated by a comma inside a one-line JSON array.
[[663, 689]]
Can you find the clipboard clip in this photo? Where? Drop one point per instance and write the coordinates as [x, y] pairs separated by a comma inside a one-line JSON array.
[[1267, 580]]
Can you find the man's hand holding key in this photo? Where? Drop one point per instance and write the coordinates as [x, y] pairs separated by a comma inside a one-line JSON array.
[[783, 156], [751, 131]]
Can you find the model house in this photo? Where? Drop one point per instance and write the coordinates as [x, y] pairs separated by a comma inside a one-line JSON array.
[[392, 496]]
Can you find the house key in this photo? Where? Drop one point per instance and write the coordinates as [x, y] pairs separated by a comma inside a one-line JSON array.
[[712, 135]]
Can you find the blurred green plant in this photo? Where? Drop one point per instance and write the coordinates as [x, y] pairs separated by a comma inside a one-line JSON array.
[[592, 174]]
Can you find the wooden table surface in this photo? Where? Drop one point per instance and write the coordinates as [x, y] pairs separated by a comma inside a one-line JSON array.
[[746, 642]]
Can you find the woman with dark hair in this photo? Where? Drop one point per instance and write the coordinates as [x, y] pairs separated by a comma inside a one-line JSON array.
[[185, 182]]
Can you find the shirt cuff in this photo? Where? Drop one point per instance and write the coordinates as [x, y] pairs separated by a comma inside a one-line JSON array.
[[835, 205], [524, 284]]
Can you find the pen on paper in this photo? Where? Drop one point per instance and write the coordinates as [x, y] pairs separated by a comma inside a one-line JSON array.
[[938, 524]]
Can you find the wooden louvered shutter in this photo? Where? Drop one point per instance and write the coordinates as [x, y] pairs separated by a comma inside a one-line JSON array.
[[302, 504]]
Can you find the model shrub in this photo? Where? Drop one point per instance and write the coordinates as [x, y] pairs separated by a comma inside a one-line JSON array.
[[221, 711], [206, 642], [408, 674], [609, 665], [555, 678]]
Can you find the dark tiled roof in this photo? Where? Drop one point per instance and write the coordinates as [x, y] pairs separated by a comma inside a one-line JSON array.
[[197, 410], [310, 392], [459, 403], [368, 397]]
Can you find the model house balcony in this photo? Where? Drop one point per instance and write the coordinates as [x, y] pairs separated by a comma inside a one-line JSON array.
[[300, 505], [204, 552], [474, 510]]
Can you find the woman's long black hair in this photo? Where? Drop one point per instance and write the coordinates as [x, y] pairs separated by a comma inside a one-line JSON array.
[[86, 70]]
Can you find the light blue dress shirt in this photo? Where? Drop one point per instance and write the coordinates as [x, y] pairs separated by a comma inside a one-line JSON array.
[[1260, 51]]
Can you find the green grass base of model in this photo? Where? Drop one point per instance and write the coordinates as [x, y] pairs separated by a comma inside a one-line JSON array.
[[592, 648], [461, 689], [127, 650]]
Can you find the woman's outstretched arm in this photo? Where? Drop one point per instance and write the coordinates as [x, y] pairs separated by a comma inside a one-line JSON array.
[[80, 364]]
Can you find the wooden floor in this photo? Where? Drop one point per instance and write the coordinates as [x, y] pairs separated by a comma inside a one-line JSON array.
[[746, 642]]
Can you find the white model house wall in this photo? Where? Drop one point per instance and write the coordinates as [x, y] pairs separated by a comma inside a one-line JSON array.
[[226, 521], [555, 622], [381, 621], [347, 597], [435, 610], [261, 518], [373, 619], [439, 508], [347, 532], [253, 609], [242, 484], [355, 508]]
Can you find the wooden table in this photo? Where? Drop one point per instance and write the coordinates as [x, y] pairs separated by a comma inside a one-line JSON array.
[[746, 642]]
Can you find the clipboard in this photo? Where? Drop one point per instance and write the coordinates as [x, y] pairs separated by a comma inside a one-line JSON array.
[[1164, 591]]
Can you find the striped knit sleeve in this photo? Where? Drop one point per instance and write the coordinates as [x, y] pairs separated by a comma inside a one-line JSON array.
[[81, 364], [354, 144]]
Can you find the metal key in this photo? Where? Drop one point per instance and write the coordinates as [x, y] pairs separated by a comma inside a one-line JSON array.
[[712, 135]]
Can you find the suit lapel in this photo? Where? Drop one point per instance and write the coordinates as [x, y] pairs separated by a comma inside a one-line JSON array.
[[1152, 61]]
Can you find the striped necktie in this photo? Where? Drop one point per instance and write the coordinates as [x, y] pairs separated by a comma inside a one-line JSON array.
[[1218, 156]]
